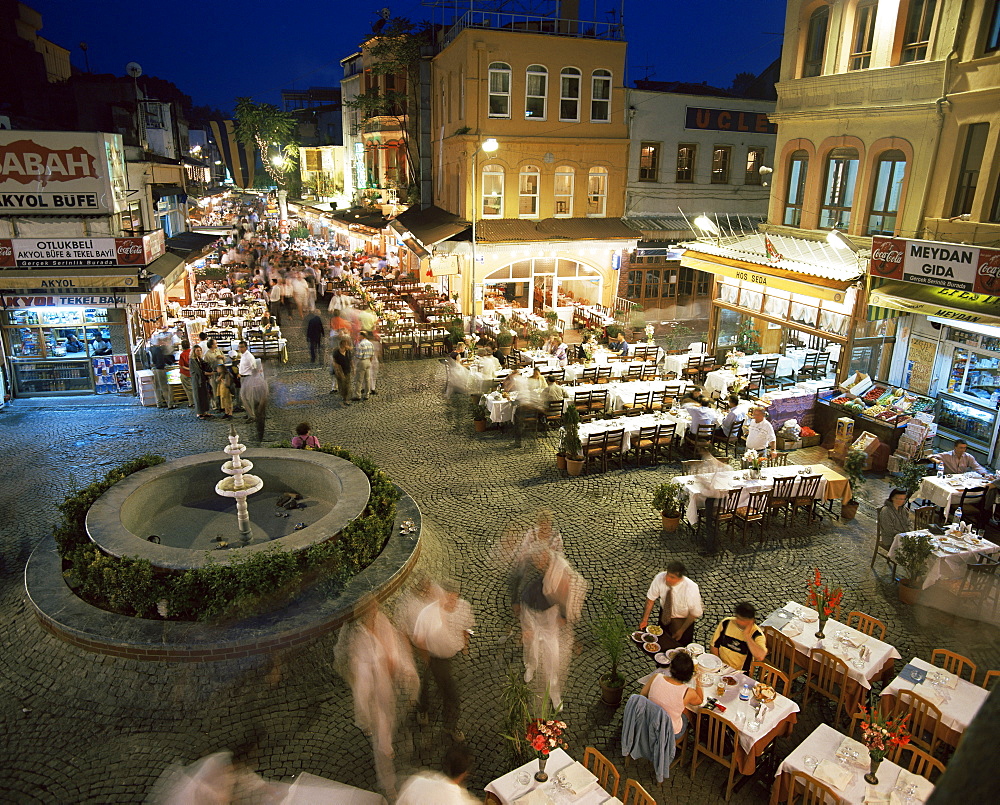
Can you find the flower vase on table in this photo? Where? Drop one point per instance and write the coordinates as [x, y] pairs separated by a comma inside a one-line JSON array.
[[824, 600], [880, 735], [822, 623], [540, 775], [874, 761], [544, 735]]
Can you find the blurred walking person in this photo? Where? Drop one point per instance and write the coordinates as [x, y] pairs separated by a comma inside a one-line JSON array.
[[314, 335], [254, 394], [342, 370], [200, 384], [364, 352]]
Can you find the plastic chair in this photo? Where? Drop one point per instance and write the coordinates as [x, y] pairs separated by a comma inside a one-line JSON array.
[[827, 678], [769, 675], [866, 623], [954, 663], [715, 739], [607, 775]]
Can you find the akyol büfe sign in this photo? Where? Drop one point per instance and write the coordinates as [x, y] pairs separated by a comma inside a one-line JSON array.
[[61, 173], [75, 252], [943, 265]]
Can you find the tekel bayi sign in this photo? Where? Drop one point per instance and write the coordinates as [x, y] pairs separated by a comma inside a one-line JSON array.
[[80, 251], [954, 266], [61, 173], [15, 302]]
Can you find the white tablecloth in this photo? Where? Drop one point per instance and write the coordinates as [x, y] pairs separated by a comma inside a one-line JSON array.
[[308, 789], [879, 651], [822, 744], [507, 789], [786, 366], [678, 363], [716, 485], [963, 702], [720, 380], [499, 408], [947, 491], [948, 564], [631, 425]]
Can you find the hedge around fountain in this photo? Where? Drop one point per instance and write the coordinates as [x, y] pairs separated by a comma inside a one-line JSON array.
[[218, 593]]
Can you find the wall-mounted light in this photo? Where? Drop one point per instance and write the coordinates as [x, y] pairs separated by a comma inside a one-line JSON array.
[[839, 240], [707, 225], [764, 172]]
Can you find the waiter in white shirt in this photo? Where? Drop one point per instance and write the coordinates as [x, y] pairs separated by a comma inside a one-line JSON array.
[[247, 361], [680, 605], [760, 434]]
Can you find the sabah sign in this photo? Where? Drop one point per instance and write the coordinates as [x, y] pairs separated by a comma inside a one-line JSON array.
[[954, 266], [76, 252], [61, 173]]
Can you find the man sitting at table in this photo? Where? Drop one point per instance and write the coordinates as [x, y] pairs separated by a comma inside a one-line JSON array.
[[619, 344], [736, 413], [738, 641], [703, 414], [759, 434], [958, 460], [553, 391], [680, 605]]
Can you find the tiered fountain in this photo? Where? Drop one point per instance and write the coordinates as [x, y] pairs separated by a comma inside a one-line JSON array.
[[240, 484]]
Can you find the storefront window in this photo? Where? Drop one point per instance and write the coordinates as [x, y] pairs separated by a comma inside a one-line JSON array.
[[975, 374], [798, 164]]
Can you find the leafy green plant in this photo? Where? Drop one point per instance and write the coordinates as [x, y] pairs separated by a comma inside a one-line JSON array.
[[505, 338], [535, 337], [610, 633], [480, 412], [912, 554], [516, 698], [911, 473], [854, 469], [613, 330], [668, 498], [571, 422], [747, 337]]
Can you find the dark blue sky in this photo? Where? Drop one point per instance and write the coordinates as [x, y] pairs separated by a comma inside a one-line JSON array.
[[216, 50]]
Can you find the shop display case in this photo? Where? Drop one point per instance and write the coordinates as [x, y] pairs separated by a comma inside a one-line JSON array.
[[976, 375], [38, 378], [958, 418]]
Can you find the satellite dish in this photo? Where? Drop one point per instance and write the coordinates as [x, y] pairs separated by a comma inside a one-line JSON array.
[[385, 13], [133, 69]]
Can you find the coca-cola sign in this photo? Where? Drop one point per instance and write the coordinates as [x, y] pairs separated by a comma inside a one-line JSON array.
[[988, 272], [76, 252], [955, 266]]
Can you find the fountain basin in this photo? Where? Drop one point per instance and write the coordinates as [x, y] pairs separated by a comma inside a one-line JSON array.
[[178, 503]]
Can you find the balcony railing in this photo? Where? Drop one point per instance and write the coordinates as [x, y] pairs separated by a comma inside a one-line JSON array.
[[525, 23]]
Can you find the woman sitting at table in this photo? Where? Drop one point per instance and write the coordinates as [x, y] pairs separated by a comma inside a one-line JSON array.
[[672, 692], [893, 517], [537, 381], [560, 352]]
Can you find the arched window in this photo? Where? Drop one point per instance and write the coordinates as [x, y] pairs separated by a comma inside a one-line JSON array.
[[492, 199], [569, 94], [528, 192], [838, 191], [864, 35], [499, 89], [819, 22], [600, 96], [563, 191], [597, 192], [798, 165], [887, 187], [917, 33], [535, 92]]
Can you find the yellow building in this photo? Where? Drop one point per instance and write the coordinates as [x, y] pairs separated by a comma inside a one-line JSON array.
[[546, 204]]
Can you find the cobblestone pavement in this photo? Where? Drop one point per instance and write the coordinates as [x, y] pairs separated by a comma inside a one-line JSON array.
[[81, 727]]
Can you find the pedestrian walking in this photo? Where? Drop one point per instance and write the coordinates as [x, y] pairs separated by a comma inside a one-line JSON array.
[[184, 367], [364, 352], [314, 335], [342, 370], [160, 358], [200, 374]]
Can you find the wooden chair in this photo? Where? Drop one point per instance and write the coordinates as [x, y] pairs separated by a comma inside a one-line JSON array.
[[589, 374], [614, 450], [804, 789], [701, 440], [924, 516], [714, 738], [598, 401], [646, 443], [725, 510], [666, 439], [981, 586], [553, 413], [881, 546], [754, 512], [989, 677], [581, 399], [657, 401], [954, 663], [781, 497], [732, 438], [639, 404], [634, 372], [805, 497], [635, 794], [603, 374], [754, 387], [779, 460], [972, 504], [919, 762], [925, 719], [782, 654], [692, 371], [827, 678], [866, 624], [594, 449], [769, 675], [607, 775], [809, 364]]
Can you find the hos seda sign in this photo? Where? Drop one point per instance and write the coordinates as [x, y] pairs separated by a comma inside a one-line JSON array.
[[77, 252], [954, 266], [61, 173]]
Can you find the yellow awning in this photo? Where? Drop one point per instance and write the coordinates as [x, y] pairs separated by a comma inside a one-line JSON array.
[[941, 302], [803, 286]]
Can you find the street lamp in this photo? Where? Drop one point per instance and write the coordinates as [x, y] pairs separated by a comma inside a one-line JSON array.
[[489, 146]]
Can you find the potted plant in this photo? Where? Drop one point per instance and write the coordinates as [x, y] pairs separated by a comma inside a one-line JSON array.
[[912, 554], [668, 499], [535, 338], [479, 418], [505, 341], [612, 331], [854, 468], [561, 449], [456, 332], [572, 446], [911, 474], [517, 700], [551, 317], [610, 634]]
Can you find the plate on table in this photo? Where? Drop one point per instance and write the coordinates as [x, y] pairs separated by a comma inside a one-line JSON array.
[[654, 630], [661, 658], [637, 636], [652, 648], [709, 662], [950, 548], [648, 638], [695, 649], [783, 613]]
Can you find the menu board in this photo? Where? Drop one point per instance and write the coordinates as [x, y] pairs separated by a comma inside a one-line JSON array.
[[111, 374], [919, 366]]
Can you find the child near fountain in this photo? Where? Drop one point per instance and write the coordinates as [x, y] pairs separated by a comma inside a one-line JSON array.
[[303, 439], [224, 388]]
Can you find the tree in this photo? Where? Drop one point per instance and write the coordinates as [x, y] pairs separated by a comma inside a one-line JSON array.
[[742, 83], [272, 131]]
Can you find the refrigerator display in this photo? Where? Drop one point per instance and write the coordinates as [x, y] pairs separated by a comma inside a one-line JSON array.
[[975, 374], [957, 419], [52, 377]]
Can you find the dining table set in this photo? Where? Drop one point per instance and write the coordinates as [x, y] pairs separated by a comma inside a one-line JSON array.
[[951, 553], [946, 491], [568, 782]]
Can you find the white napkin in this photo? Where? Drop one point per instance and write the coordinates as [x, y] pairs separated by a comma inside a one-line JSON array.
[[876, 797], [857, 746], [792, 629], [931, 695], [578, 778], [948, 680], [924, 786], [536, 797], [834, 774]]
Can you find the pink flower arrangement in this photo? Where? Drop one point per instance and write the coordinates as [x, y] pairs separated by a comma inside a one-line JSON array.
[[544, 735], [880, 734]]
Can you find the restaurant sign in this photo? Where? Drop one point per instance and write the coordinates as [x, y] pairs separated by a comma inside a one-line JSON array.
[[110, 300], [70, 252], [764, 281], [954, 266]]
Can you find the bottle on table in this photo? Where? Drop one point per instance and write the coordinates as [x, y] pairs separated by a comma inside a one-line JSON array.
[[957, 516]]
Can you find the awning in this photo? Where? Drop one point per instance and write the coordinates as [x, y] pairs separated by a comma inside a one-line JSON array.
[[165, 190], [168, 267], [807, 285], [360, 216], [71, 280], [191, 245], [941, 302], [429, 226]]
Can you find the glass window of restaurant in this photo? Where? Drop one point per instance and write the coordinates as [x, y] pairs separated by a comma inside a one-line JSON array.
[[537, 283], [67, 350]]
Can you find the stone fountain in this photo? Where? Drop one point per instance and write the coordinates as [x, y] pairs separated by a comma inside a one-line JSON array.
[[240, 484]]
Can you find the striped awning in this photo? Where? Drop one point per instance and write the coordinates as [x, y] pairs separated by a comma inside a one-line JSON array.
[[239, 160], [877, 312], [958, 306]]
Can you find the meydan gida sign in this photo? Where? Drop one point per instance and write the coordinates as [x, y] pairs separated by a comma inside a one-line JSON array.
[[954, 266], [61, 173]]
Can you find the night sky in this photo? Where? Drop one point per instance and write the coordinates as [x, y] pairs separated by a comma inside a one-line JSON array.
[[217, 50]]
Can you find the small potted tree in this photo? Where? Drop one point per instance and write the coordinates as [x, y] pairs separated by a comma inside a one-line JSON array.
[[668, 498], [479, 418], [610, 634], [572, 446], [912, 554], [854, 468], [535, 338], [505, 341], [911, 475], [561, 449]]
